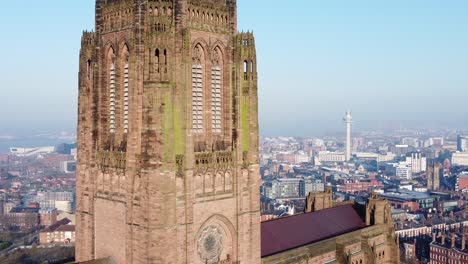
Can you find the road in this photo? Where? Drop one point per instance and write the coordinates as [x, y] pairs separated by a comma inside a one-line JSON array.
[[22, 242]]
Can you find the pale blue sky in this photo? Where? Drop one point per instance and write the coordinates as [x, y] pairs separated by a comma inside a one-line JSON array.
[[398, 62]]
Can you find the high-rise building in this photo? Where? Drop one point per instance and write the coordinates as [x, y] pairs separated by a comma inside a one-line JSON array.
[[404, 171], [286, 188], [462, 143], [168, 135], [417, 161], [433, 176]]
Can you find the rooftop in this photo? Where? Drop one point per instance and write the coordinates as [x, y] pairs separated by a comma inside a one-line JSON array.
[[300, 230], [405, 195], [55, 226], [24, 210], [65, 228]]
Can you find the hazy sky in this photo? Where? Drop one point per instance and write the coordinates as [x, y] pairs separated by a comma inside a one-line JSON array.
[[393, 63]]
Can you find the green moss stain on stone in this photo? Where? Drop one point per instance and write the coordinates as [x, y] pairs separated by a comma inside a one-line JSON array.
[[179, 138]]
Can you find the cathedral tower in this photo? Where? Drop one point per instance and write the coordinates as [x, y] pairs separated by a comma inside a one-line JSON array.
[[168, 135]]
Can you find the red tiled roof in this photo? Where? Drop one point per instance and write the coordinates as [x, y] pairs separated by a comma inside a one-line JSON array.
[[292, 232]]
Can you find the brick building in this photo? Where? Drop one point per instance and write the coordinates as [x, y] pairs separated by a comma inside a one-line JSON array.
[[48, 216], [448, 248], [22, 218], [353, 186], [61, 232]]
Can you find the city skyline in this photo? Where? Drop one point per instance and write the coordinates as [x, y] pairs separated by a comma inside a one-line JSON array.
[[230, 132], [393, 64]]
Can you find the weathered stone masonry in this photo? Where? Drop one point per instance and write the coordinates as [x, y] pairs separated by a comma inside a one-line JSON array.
[[153, 186]]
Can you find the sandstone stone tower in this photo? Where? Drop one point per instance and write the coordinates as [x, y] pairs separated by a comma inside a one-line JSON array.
[[433, 173], [168, 135]]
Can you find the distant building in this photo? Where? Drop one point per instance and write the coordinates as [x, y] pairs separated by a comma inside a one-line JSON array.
[[386, 157], [74, 153], [286, 188], [403, 171], [367, 156], [410, 251], [327, 156], [408, 200], [25, 152], [68, 166], [48, 199], [448, 249], [433, 176], [301, 157], [417, 161], [8, 205], [313, 186], [446, 206], [48, 216], [462, 143], [352, 186], [22, 218], [64, 206], [286, 157], [413, 142], [400, 150], [463, 181], [59, 233], [436, 141], [460, 158], [55, 160]]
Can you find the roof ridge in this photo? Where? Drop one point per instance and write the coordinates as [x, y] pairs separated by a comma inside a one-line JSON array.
[[300, 214]]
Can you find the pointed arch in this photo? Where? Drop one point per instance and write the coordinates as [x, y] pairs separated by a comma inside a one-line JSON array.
[[125, 63], [88, 69], [217, 62], [198, 61], [230, 250], [110, 59], [157, 54]]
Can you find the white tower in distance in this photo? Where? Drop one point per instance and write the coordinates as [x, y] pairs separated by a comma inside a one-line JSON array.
[[348, 120]]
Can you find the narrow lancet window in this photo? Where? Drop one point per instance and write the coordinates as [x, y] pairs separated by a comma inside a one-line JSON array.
[[112, 98], [216, 73], [156, 54], [197, 90], [126, 94], [125, 68], [88, 69]]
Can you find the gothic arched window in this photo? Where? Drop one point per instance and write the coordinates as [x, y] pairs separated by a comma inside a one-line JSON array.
[[197, 89], [216, 92], [246, 69], [112, 92], [156, 54], [126, 69], [88, 69]]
